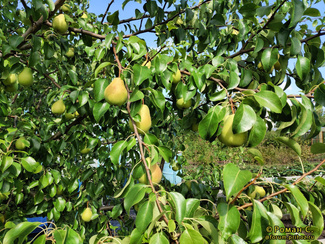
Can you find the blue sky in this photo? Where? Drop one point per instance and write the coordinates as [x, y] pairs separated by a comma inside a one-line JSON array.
[[99, 7]]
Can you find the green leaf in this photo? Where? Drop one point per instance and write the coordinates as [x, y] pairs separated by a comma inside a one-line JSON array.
[[300, 199], [318, 220], [229, 220], [31, 165], [320, 179], [40, 240], [295, 46], [234, 80], [59, 204], [320, 95], [275, 221], [6, 163], [136, 237], [244, 119], [165, 152], [290, 143], [269, 58], [73, 76], [117, 151], [257, 155], [83, 98], [191, 237], [134, 195], [178, 203], [313, 12], [209, 124], [20, 232], [294, 214], [141, 73], [257, 133], [296, 13], [259, 223], [219, 95], [302, 67], [99, 110], [158, 238], [144, 216], [192, 205], [269, 100], [234, 179], [99, 89]]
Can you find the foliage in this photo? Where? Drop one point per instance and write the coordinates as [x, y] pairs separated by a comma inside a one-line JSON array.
[[233, 57]]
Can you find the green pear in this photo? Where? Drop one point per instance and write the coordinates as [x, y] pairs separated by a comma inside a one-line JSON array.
[[145, 124], [66, 8], [12, 88], [58, 107], [116, 93], [87, 214], [85, 150], [182, 105], [70, 52], [156, 174], [19, 144], [60, 24], [176, 77], [12, 78], [25, 78], [227, 136], [69, 116]]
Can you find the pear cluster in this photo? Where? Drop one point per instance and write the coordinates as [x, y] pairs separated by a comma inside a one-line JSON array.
[[11, 83]]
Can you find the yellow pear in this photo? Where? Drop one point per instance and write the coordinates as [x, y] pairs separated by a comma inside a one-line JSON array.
[[87, 214], [176, 77], [148, 64], [156, 175], [182, 105], [19, 144], [227, 136], [70, 52], [84, 16], [145, 124], [58, 107], [12, 78], [12, 88], [116, 93], [260, 190], [60, 24], [25, 78]]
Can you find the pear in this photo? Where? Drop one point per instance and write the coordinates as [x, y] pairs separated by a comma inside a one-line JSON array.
[[176, 77], [19, 144], [69, 116], [116, 93], [12, 88], [58, 107], [227, 136], [145, 124], [182, 105], [87, 214], [179, 21], [148, 64], [84, 16], [25, 78], [156, 174], [12, 78], [60, 24], [65, 8], [85, 150], [70, 52]]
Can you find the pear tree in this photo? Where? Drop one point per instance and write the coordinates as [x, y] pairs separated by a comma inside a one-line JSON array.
[[91, 102]]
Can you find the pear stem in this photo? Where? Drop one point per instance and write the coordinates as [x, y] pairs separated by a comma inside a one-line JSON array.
[[118, 62], [140, 142]]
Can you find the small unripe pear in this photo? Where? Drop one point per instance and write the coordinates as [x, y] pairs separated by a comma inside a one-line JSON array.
[[69, 116], [145, 124], [70, 52], [116, 93], [182, 105], [12, 78], [60, 24], [25, 78], [87, 214], [58, 107], [12, 88], [176, 77], [19, 144]]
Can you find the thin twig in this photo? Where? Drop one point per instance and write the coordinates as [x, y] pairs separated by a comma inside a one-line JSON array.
[[109, 5]]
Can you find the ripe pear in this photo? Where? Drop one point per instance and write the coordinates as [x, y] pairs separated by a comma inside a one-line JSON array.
[[70, 52], [156, 175], [58, 107], [12, 88], [84, 16], [25, 78], [19, 144], [260, 190], [60, 24], [145, 124], [176, 77], [148, 64], [12, 78], [87, 214], [116, 93], [227, 136], [182, 105]]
